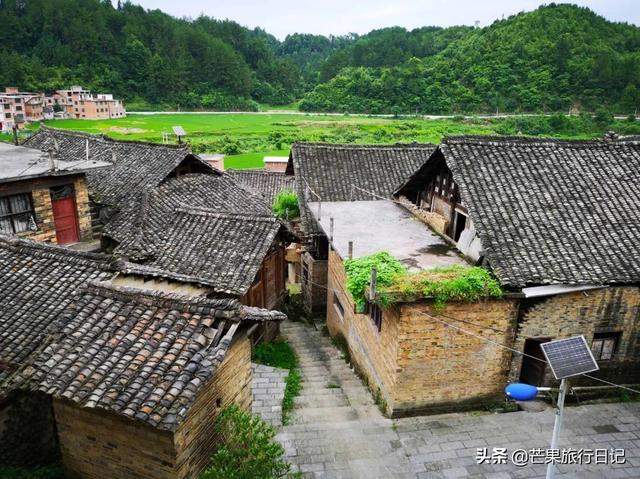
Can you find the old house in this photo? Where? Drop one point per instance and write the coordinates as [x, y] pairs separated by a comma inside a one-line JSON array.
[[44, 197], [119, 375], [134, 166], [263, 182], [207, 229], [325, 172], [548, 218]]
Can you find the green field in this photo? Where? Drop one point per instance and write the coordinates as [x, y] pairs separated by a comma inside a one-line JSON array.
[[246, 137]]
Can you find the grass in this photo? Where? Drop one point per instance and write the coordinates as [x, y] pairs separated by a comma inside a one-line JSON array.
[[280, 354], [247, 137]]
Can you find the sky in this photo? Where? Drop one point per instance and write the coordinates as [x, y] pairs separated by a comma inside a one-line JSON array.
[[338, 17]]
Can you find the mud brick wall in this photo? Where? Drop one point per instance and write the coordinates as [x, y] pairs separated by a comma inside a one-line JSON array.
[[373, 352], [99, 445], [196, 439], [589, 312], [27, 432], [442, 369]]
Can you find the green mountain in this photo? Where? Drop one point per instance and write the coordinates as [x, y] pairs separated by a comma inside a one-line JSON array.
[[554, 58]]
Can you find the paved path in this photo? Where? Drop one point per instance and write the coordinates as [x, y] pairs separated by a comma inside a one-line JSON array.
[[337, 431], [268, 391]]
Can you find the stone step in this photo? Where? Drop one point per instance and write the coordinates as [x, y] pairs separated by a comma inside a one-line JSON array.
[[339, 414]]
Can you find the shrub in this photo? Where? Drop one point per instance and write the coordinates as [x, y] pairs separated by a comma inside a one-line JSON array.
[[248, 449], [359, 274], [285, 205]]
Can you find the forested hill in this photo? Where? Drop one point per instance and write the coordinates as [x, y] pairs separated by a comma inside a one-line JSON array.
[[551, 59], [141, 54]]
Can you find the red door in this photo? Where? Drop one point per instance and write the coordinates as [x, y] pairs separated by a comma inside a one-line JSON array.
[[65, 219]]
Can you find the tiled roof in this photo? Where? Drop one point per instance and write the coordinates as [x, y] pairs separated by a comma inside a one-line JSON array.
[[342, 172], [215, 192], [144, 355], [219, 250], [265, 183], [550, 211], [37, 283], [204, 229], [135, 165]]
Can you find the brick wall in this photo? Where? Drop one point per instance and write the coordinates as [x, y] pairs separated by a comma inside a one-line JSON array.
[[588, 312], [442, 369], [100, 445], [373, 352], [419, 364], [195, 440], [41, 199]]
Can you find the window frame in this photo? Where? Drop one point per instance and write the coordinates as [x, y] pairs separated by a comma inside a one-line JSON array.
[[376, 314], [11, 215], [600, 340], [337, 305]]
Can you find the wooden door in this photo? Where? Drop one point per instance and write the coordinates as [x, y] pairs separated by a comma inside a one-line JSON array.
[[532, 371], [65, 217]]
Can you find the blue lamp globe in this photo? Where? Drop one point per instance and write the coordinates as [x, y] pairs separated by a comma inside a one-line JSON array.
[[521, 392]]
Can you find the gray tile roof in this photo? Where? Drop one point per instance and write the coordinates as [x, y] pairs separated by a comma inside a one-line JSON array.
[[135, 165], [265, 183], [205, 229], [332, 171], [144, 355], [37, 282], [550, 211]]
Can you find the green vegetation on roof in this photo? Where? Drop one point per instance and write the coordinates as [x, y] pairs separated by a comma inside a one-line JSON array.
[[396, 284]]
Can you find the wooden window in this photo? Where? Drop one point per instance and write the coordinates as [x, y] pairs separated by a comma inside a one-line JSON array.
[[375, 313], [338, 306], [605, 345], [16, 214]]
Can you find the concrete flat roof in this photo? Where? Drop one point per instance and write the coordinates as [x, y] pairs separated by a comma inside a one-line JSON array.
[[20, 163], [376, 226], [276, 159]]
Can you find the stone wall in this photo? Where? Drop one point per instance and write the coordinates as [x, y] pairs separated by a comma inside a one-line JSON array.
[[314, 281], [588, 312], [27, 431], [41, 200], [99, 445], [374, 353], [443, 369], [195, 441]]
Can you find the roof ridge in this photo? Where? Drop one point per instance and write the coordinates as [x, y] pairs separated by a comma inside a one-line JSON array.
[[201, 211], [180, 301], [261, 171], [108, 139], [353, 146], [521, 140], [15, 243]]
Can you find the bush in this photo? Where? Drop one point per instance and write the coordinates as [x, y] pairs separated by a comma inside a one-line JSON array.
[[285, 205], [248, 449], [359, 274]]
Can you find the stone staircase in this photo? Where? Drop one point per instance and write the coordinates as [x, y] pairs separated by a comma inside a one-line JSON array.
[[336, 430]]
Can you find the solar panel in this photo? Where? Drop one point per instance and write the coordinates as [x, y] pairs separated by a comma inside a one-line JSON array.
[[569, 357], [179, 131]]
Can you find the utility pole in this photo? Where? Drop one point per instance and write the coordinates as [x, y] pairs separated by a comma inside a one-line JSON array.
[[557, 426]]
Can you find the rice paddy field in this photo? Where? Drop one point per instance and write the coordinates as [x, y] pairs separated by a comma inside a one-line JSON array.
[[245, 138]]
